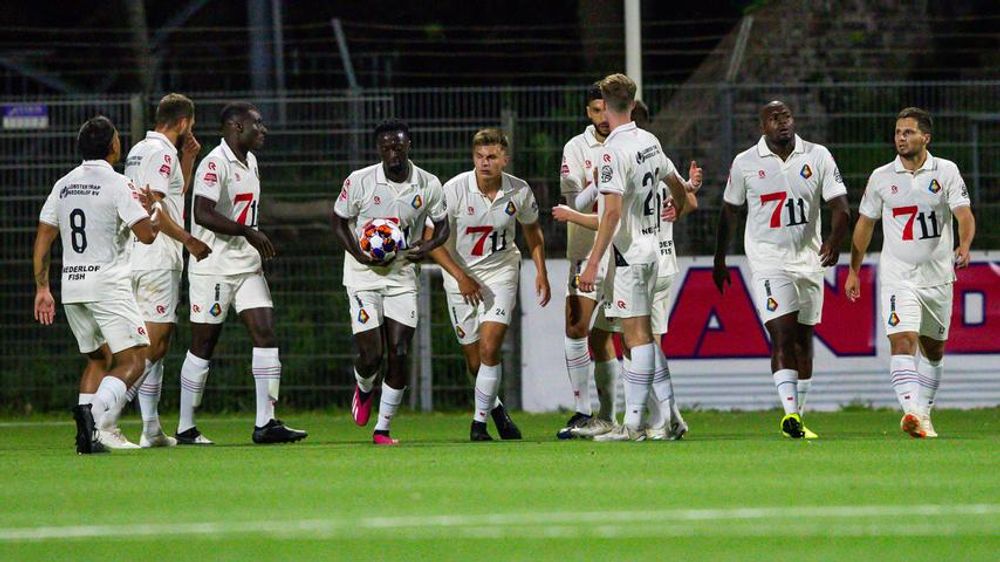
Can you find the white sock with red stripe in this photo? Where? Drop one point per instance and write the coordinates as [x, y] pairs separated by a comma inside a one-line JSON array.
[[487, 386], [903, 375], [802, 388], [578, 366], [194, 373], [149, 397], [110, 395], [929, 376], [391, 399], [267, 378], [786, 381], [663, 388], [638, 379]]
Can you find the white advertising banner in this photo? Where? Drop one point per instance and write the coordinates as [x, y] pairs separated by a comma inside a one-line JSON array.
[[719, 352]]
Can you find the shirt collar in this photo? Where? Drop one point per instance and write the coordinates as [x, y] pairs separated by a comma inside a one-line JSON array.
[[929, 164], [763, 150], [153, 135], [474, 186], [630, 126], [231, 156], [380, 174], [590, 135], [98, 163]]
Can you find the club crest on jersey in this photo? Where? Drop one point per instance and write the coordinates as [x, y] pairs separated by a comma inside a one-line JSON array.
[[893, 317], [459, 331], [806, 172], [417, 202], [934, 187], [605, 173], [510, 209], [772, 304], [216, 310], [363, 316]]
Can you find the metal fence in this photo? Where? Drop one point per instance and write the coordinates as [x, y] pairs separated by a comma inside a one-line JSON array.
[[317, 139]]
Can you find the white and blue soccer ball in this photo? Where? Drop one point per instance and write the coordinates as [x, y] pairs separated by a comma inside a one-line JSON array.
[[382, 239]]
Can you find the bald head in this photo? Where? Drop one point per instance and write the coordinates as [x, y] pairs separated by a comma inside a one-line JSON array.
[[777, 123]]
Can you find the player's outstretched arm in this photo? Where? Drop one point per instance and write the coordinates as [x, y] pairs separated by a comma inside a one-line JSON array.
[[45, 304], [206, 215], [859, 245], [829, 252], [535, 238], [168, 226], [729, 216], [564, 213], [966, 232], [422, 248]]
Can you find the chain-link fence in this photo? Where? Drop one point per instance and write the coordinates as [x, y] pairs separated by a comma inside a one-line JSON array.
[[316, 139]]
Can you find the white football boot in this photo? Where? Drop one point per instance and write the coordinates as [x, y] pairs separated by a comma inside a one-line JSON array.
[[622, 433], [595, 426], [115, 439], [159, 440]]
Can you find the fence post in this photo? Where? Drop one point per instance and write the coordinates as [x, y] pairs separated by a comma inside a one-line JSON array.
[[425, 347], [137, 118], [508, 118], [510, 351]]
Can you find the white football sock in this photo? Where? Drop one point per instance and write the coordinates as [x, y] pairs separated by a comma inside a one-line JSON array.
[[110, 395], [785, 380], [391, 399], [605, 377], [802, 388], [149, 397], [620, 385], [487, 386], [578, 365], [365, 384], [662, 386], [903, 375], [266, 369], [654, 417], [929, 374], [85, 398], [194, 372], [637, 384]]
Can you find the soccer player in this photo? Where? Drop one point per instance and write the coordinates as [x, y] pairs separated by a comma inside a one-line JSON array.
[[383, 296], [632, 164], [482, 266], [782, 181], [92, 209], [579, 191], [156, 268], [915, 196], [226, 206]]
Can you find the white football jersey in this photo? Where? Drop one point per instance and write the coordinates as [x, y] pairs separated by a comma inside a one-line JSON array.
[[367, 195], [632, 164], [94, 207], [783, 203], [575, 175], [235, 188], [483, 231], [153, 161], [916, 211], [666, 253]]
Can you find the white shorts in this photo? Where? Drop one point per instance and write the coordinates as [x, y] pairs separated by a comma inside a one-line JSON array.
[[211, 295], [661, 304], [632, 291], [369, 308], [158, 294], [573, 285], [117, 323], [777, 294], [498, 305], [925, 310]]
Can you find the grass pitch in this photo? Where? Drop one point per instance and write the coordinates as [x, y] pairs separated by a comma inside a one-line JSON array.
[[733, 490]]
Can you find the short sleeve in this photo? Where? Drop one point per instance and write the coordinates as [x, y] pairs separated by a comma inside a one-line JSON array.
[[348, 206], [611, 177], [957, 193], [573, 172], [831, 181], [527, 211], [667, 167], [209, 177], [127, 204], [437, 206], [871, 201], [736, 191], [50, 210], [156, 170]]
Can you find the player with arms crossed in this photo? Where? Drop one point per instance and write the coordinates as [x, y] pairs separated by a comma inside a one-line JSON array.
[[482, 265], [782, 181], [157, 267], [226, 207], [92, 209], [632, 164], [383, 296], [915, 196]]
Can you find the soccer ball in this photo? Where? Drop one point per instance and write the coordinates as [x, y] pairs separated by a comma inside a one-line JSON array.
[[382, 239]]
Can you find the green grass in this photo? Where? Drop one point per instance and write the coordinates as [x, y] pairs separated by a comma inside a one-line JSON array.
[[863, 491]]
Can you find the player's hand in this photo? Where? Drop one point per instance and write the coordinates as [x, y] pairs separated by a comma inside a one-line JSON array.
[[852, 287], [197, 248], [261, 243], [542, 289], [669, 212], [587, 281], [695, 177], [418, 251], [562, 213], [45, 306], [961, 257], [828, 255], [470, 289], [191, 147], [720, 275], [147, 199]]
